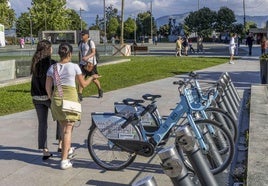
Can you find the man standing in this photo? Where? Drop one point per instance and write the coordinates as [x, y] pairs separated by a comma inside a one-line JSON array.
[[232, 47], [249, 42], [88, 61]]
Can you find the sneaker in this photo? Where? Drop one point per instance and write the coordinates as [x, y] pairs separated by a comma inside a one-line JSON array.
[[71, 153], [66, 164], [231, 62], [100, 93], [80, 97]]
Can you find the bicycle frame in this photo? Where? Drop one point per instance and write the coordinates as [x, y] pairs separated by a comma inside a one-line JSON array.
[[182, 108]]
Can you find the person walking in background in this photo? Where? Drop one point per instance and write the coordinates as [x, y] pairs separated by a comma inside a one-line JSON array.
[[200, 44], [191, 46], [264, 45], [22, 42], [186, 45], [65, 73], [232, 47], [88, 61], [41, 61], [249, 42], [178, 46]]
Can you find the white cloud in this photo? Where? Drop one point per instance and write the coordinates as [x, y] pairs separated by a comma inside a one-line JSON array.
[[160, 7]]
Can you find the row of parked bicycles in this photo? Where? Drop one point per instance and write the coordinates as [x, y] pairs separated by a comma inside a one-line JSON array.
[[136, 127]]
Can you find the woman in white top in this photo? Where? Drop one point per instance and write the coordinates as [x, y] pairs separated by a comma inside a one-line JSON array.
[[68, 73]]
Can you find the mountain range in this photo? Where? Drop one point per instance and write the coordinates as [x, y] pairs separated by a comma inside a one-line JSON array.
[[259, 20]]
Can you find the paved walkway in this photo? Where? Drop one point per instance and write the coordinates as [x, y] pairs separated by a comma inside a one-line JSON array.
[[21, 163]]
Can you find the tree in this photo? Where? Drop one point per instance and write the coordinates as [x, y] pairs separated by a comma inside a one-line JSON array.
[[48, 15], [58, 15], [23, 25], [7, 15], [75, 21], [144, 23], [113, 27], [202, 21], [129, 28], [225, 20], [249, 25], [164, 30]]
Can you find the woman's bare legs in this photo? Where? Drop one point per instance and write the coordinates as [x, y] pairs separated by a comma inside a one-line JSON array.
[[66, 143]]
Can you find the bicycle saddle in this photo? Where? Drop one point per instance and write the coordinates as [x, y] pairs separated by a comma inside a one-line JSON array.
[[130, 101], [193, 75], [151, 97]]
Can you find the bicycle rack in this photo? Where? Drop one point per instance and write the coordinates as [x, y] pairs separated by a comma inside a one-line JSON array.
[[229, 99], [187, 142], [146, 181], [174, 167]]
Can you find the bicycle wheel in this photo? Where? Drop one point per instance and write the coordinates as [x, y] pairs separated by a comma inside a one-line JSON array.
[[220, 145], [106, 154], [225, 118]]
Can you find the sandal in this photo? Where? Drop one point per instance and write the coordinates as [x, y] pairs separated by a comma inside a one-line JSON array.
[[46, 155]]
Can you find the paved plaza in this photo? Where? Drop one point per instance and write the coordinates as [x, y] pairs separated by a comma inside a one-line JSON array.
[[21, 162]]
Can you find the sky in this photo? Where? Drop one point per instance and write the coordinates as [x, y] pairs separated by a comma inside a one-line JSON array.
[[159, 7]]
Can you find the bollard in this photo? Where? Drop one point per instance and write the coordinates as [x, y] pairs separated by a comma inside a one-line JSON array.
[[228, 95], [146, 181], [174, 167], [227, 76], [186, 141]]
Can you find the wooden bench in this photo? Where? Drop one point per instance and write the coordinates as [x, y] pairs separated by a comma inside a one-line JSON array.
[[140, 49]]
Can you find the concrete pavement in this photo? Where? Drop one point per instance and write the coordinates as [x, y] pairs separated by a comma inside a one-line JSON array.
[[21, 163]]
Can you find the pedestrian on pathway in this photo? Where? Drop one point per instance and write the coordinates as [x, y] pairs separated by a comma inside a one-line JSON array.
[[41, 61], [264, 45], [178, 46], [249, 42], [191, 46], [186, 45], [232, 47], [200, 44], [22, 42], [65, 73], [88, 61]]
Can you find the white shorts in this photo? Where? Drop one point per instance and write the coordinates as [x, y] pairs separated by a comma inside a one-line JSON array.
[[232, 50]]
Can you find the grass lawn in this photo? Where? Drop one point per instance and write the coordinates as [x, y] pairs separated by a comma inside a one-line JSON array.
[[139, 70]]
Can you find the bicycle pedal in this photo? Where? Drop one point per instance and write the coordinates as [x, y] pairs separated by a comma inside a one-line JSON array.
[[162, 143]]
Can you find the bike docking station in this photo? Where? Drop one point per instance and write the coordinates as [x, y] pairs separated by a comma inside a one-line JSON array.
[[146, 181], [187, 142], [228, 98], [173, 167]]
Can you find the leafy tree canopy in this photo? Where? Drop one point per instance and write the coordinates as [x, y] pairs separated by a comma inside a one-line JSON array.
[[7, 15]]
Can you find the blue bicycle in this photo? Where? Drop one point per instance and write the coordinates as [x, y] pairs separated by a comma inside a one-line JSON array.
[[152, 119], [115, 140]]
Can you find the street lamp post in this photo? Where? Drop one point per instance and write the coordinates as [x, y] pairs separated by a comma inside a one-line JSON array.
[[244, 9], [122, 22], [104, 17], [80, 10], [135, 31], [135, 27], [31, 30], [151, 9]]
